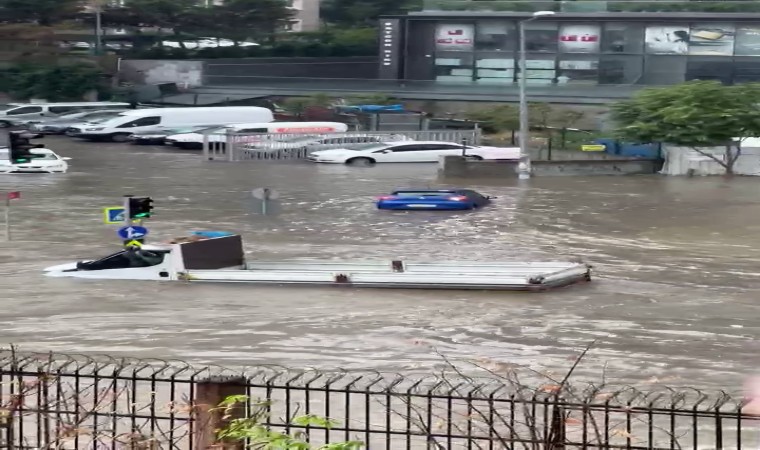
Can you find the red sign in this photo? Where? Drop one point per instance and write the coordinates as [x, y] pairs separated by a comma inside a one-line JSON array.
[[13, 195], [575, 38]]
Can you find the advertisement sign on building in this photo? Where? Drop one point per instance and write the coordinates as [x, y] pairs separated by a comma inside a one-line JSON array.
[[389, 48], [579, 38], [453, 37], [747, 41], [667, 39], [712, 39]]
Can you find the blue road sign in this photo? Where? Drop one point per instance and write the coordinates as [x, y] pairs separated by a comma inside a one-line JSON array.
[[132, 232], [114, 214]]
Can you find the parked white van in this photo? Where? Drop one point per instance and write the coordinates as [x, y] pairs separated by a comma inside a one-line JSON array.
[[194, 140], [30, 111], [121, 127]]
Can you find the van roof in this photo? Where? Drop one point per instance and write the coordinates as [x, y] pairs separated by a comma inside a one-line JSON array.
[[134, 112]]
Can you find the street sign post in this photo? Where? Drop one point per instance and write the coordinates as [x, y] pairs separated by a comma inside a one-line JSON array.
[[132, 232], [114, 214], [265, 196], [15, 195]]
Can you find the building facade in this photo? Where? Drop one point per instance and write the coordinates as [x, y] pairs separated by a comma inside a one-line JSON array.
[[571, 49], [307, 15]]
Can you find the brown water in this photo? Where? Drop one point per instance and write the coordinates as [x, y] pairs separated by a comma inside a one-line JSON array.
[[674, 296]]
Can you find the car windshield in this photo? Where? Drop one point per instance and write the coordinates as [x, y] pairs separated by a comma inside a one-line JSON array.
[[102, 119], [422, 193]]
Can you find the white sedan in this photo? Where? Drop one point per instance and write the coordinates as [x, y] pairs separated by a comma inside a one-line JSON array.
[[409, 152], [43, 160]]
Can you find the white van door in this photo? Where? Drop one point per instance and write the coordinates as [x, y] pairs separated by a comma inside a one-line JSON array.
[[138, 125], [26, 112]]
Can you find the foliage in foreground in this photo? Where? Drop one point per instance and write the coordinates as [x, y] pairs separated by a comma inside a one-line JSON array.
[[697, 115], [252, 429], [52, 83]]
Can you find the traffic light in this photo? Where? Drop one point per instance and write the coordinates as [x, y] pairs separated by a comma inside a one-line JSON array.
[[140, 207]]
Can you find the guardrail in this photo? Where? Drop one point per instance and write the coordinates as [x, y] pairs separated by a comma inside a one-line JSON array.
[[293, 146]]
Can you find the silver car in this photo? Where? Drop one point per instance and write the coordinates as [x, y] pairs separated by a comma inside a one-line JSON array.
[[60, 124]]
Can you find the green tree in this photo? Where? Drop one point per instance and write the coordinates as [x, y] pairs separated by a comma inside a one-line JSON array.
[[41, 12], [360, 13], [53, 83], [251, 19], [697, 114]]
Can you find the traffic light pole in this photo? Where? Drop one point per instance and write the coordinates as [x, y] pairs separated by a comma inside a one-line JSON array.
[[127, 213]]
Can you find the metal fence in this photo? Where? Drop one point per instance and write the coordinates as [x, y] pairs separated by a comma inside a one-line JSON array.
[[290, 146], [78, 402]]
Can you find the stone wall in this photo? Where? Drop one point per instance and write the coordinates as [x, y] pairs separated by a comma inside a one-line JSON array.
[[458, 167]]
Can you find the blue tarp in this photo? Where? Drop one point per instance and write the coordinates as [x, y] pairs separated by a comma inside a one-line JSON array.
[[212, 234], [376, 108]]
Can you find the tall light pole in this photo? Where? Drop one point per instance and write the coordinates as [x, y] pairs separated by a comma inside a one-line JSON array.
[[524, 166]]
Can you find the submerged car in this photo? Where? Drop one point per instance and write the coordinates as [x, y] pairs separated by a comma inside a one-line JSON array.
[[160, 135], [59, 125], [41, 160], [409, 152], [433, 199]]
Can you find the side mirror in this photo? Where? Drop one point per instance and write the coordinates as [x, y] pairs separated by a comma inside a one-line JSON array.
[[387, 151]]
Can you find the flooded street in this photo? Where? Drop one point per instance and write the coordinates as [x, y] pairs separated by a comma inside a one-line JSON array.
[[677, 269]]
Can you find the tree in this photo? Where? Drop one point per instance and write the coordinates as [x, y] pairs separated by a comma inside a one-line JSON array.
[[360, 13], [40, 12], [257, 19], [53, 83], [697, 115]]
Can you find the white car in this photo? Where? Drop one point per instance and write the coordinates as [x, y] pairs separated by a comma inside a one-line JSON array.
[[409, 152], [310, 143], [47, 162]]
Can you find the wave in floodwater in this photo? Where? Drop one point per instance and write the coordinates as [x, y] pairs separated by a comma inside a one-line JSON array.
[[676, 266]]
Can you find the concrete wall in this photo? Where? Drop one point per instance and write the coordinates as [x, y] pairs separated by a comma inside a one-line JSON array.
[[253, 71], [149, 71], [458, 167]]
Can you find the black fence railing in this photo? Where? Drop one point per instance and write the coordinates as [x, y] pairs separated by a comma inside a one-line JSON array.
[[79, 402]]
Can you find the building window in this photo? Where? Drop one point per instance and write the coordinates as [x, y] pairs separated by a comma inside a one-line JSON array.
[[667, 39], [572, 69], [664, 70], [621, 69], [541, 36], [579, 38], [746, 70], [494, 67], [540, 69], [623, 38], [454, 37], [747, 41], [496, 35], [454, 67], [711, 39], [709, 68]]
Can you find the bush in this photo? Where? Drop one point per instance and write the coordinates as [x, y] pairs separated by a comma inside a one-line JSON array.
[[53, 83]]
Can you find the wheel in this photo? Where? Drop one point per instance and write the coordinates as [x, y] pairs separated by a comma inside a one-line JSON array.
[[360, 162], [120, 137]]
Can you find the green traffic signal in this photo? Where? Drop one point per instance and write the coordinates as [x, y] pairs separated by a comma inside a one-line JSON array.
[[140, 207]]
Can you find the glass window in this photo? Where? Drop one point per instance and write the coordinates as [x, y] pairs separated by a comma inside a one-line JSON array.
[[579, 69], [623, 38], [541, 36], [143, 122], [454, 37], [709, 68], [712, 39], [667, 39], [454, 67], [494, 68], [746, 69], [540, 69], [25, 110], [747, 41], [60, 109], [496, 35], [579, 38], [620, 69], [664, 70]]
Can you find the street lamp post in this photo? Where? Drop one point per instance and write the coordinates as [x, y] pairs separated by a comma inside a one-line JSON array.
[[524, 169]]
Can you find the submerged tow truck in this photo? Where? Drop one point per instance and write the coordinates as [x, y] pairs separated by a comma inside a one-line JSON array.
[[222, 259]]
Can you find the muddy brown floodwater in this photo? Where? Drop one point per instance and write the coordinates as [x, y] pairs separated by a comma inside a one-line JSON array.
[[675, 295]]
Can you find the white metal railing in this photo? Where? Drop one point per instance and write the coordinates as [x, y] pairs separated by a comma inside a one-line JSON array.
[[293, 146]]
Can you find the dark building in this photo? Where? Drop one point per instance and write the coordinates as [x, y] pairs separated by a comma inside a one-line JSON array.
[[572, 53]]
